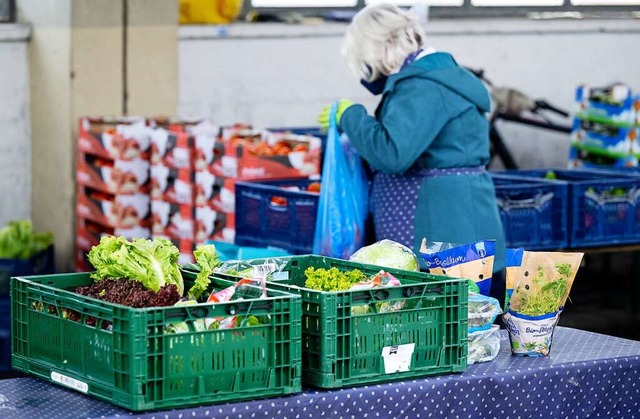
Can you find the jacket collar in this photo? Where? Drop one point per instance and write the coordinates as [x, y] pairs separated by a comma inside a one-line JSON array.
[[430, 62]]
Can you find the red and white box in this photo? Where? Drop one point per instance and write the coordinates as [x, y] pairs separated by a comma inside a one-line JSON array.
[[114, 138], [89, 233], [113, 176], [227, 232], [172, 185], [115, 211], [270, 157], [82, 262], [208, 150], [217, 192], [174, 150], [208, 223], [175, 221]]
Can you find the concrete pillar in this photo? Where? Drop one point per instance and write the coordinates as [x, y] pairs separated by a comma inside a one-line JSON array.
[[152, 57], [84, 63]]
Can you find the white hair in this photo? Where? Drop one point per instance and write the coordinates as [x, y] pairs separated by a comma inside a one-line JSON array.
[[379, 39]]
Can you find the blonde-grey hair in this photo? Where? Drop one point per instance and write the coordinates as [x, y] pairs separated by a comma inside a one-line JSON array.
[[379, 39]]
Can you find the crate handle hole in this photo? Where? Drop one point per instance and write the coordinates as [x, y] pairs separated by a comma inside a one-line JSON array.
[[381, 295], [411, 291]]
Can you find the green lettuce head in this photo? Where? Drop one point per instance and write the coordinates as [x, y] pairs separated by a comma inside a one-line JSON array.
[[154, 263], [389, 254]]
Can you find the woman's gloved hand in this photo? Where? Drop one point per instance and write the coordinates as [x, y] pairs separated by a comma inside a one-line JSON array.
[[323, 118]]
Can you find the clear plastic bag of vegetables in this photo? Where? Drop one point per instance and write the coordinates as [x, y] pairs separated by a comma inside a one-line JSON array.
[[483, 311], [254, 268], [388, 254], [484, 345]]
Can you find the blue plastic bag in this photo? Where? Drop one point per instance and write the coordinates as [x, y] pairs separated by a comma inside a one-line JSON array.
[[342, 207]]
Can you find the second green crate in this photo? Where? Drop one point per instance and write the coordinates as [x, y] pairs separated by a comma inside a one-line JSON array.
[[341, 349]]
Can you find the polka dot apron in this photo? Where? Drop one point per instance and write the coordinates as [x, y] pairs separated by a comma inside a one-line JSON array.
[[394, 199]]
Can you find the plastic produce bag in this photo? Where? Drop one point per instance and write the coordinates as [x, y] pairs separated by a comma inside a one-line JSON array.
[[473, 261], [483, 311], [484, 345], [271, 268], [388, 254], [342, 207]]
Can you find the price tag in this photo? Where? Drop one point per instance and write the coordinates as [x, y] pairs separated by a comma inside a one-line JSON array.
[[70, 382], [397, 358]]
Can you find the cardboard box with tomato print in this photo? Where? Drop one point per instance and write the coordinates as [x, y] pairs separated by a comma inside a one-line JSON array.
[[250, 154], [114, 211], [114, 138], [115, 176]]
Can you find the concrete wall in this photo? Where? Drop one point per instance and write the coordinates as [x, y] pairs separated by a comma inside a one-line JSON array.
[[80, 67], [279, 75], [15, 133]]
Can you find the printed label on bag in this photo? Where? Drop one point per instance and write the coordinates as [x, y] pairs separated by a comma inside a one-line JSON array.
[[530, 336], [261, 271], [397, 358], [70, 382]]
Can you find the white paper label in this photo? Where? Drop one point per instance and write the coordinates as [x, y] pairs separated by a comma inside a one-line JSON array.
[[69, 382], [397, 358]]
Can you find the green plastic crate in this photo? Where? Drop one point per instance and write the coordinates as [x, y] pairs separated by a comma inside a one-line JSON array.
[[136, 364], [340, 350]]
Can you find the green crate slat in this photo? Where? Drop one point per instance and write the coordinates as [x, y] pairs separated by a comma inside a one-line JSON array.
[[136, 364], [340, 349]]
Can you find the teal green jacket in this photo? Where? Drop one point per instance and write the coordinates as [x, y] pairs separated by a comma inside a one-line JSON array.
[[433, 115]]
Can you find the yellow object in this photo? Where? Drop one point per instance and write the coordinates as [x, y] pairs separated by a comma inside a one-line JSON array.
[[209, 11]]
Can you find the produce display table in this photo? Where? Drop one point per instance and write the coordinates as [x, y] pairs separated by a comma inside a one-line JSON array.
[[586, 375]]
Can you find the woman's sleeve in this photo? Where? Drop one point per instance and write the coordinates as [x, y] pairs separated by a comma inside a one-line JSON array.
[[409, 121]]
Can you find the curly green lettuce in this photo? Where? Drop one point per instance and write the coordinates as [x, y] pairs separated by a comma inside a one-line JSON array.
[[207, 259], [152, 262]]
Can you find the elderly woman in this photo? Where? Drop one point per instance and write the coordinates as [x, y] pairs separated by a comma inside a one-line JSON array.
[[428, 142]]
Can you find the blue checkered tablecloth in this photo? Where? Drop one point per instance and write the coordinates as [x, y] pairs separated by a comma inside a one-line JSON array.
[[587, 375]]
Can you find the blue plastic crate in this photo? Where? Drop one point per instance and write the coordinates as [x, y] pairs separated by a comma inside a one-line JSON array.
[[534, 212], [5, 334], [39, 264], [269, 215], [603, 205]]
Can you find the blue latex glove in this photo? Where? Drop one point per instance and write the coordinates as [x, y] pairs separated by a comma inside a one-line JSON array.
[[323, 118]]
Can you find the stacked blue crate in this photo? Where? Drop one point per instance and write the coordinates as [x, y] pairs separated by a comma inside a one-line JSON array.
[[533, 211], [603, 206]]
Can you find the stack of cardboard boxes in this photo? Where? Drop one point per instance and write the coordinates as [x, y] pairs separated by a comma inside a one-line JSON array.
[[112, 176], [180, 178], [606, 127], [182, 211]]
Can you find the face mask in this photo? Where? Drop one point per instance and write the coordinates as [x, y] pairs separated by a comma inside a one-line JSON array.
[[375, 87]]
